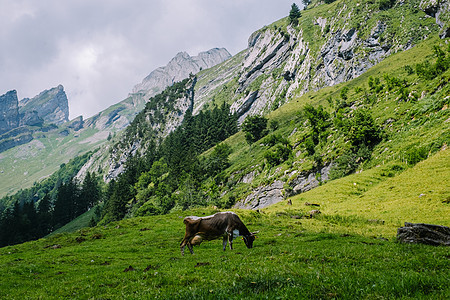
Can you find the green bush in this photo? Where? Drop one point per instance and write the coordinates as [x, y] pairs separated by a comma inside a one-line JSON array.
[[320, 120], [254, 127], [218, 160], [429, 70], [416, 154], [278, 154], [343, 166], [362, 130]]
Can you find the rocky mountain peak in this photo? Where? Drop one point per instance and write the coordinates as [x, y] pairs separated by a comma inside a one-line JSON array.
[[179, 68], [51, 105], [9, 111]]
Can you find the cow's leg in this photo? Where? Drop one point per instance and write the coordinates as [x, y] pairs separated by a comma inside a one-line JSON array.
[[230, 239], [183, 244], [224, 242], [191, 249]]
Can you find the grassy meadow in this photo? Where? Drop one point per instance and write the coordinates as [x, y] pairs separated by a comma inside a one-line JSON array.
[[348, 251]]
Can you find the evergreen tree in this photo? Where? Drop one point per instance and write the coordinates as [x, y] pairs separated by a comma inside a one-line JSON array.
[[44, 215], [66, 204], [90, 193], [294, 15], [254, 127]]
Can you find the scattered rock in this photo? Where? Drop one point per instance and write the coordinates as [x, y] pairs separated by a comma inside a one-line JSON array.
[[314, 213], [200, 264], [376, 221], [80, 239], [435, 235], [130, 268], [263, 196]]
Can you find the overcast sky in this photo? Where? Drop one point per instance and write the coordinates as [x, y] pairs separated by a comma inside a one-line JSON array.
[[99, 49]]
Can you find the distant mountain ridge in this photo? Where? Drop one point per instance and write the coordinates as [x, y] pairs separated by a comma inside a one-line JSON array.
[[39, 128], [180, 67], [51, 105], [119, 115], [19, 120]]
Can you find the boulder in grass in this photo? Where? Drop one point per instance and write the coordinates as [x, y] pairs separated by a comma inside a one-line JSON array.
[[428, 234]]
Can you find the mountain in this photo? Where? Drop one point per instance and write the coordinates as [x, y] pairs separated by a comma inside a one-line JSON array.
[[344, 127], [21, 121], [9, 111], [51, 105], [333, 44], [350, 89], [120, 115], [179, 68], [36, 136]]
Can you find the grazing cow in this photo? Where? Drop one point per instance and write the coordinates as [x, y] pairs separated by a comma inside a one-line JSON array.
[[223, 224]]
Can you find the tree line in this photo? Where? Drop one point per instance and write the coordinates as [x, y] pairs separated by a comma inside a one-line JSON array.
[[30, 218], [172, 172]]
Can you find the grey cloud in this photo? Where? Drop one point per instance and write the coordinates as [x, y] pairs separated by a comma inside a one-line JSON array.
[[98, 49]]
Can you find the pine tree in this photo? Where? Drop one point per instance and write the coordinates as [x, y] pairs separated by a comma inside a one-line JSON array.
[[90, 193], [294, 15]]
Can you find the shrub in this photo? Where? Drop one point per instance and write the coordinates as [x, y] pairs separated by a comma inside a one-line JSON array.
[[428, 70], [319, 120], [277, 154], [416, 154], [375, 84], [409, 70], [344, 165], [344, 92], [362, 130], [218, 160], [385, 4], [254, 127], [294, 14]]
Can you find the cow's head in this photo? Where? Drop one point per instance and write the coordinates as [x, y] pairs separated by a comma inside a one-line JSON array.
[[248, 239]]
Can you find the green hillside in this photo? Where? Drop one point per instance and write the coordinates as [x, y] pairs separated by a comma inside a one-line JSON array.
[[373, 152], [346, 252]]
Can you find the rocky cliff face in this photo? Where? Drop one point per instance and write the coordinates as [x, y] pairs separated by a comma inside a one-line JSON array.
[[121, 114], [51, 105], [19, 120], [330, 47], [9, 112], [439, 9], [179, 68], [171, 120]]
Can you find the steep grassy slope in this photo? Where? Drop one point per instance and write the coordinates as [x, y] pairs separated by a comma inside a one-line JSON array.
[[48, 152], [409, 126], [340, 254]]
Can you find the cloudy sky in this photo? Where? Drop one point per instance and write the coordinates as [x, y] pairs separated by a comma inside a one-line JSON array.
[[99, 49]]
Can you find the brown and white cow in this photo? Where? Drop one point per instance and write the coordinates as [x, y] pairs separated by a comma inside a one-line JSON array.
[[223, 224]]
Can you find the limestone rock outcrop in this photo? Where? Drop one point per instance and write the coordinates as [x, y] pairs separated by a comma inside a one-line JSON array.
[[439, 9], [179, 68], [51, 105], [9, 111]]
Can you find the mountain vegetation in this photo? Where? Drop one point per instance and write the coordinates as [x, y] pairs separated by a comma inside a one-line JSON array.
[[335, 113]]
